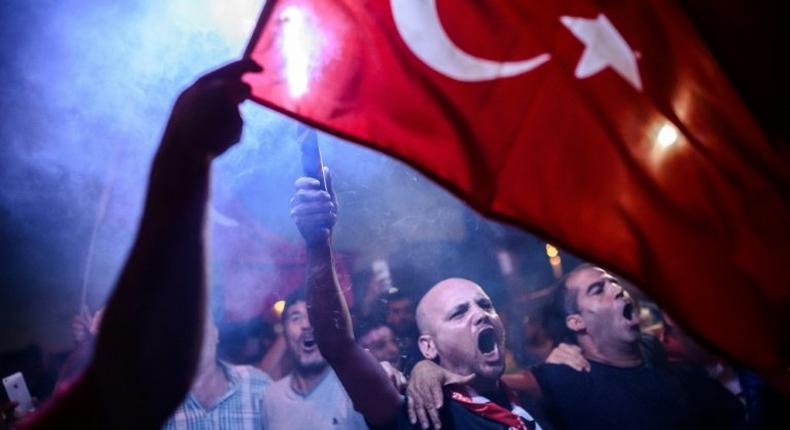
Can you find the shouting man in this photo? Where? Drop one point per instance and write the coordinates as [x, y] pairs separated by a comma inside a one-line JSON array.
[[613, 378], [460, 330], [311, 396], [629, 384]]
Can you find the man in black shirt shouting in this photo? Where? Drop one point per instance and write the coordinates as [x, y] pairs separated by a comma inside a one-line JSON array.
[[627, 384], [459, 329]]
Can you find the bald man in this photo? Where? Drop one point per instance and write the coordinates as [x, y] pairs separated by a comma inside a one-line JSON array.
[[459, 329], [627, 383]]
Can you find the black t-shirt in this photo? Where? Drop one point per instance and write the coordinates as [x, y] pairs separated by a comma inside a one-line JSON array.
[[644, 398], [454, 416]]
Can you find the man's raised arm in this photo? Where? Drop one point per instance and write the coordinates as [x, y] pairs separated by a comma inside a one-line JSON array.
[[315, 213], [149, 343]]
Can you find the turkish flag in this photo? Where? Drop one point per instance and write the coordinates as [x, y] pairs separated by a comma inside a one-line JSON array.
[[605, 127]]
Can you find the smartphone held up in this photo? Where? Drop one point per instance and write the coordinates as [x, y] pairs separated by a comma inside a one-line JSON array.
[[17, 391]]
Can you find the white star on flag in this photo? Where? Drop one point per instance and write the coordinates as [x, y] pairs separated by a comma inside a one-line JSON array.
[[603, 46]]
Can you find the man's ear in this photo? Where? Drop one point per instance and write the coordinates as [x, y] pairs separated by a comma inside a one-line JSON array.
[[575, 323], [427, 346]]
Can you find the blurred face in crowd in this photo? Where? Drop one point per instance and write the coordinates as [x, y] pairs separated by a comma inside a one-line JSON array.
[[301, 340], [460, 327], [381, 343], [606, 312], [400, 315]]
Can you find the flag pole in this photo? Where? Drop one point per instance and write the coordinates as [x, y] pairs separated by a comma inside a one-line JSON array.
[[101, 212], [263, 18], [312, 164]]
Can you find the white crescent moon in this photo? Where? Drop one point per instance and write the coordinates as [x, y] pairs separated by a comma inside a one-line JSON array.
[[419, 26]]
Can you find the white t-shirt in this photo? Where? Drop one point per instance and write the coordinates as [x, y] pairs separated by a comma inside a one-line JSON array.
[[326, 407]]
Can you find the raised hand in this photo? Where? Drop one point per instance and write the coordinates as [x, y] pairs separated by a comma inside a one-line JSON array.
[[206, 115], [314, 210], [569, 355]]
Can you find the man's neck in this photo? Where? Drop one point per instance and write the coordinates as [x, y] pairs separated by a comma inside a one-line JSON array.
[[209, 384], [304, 380], [616, 354]]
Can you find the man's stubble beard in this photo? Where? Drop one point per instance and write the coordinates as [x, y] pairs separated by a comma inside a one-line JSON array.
[[311, 368]]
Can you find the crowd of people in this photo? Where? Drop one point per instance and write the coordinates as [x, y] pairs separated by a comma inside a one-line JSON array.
[[587, 353]]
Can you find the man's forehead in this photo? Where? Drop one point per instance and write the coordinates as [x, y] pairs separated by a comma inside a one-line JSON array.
[[296, 307], [451, 292], [581, 278]]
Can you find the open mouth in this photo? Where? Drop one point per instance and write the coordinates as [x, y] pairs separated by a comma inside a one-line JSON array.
[[486, 340], [628, 311], [308, 343]]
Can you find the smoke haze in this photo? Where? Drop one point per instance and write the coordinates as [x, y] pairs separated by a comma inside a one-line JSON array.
[[86, 90]]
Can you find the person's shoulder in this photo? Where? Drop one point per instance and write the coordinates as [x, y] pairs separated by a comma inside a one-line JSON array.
[[330, 384], [332, 379], [555, 372], [255, 374], [558, 379], [281, 384], [250, 374], [277, 393]]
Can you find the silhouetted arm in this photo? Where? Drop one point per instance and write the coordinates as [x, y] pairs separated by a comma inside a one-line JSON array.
[[374, 396], [150, 338]]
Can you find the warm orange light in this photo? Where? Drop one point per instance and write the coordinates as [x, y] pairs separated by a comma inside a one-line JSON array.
[[278, 308], [552, 251]]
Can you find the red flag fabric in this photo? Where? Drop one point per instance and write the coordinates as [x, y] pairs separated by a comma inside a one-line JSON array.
[[255, 266], [605, 127]]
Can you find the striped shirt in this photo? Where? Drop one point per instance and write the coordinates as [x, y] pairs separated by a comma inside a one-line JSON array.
[[238, 409]]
